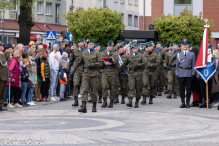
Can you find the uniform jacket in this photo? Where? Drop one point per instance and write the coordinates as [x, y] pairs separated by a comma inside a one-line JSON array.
[[168, 59], [187, 61], [153, 60], [3, 68], [124, 58], [161, 56], [75, 57], [110, 69], [14, 68], [92, 58], [63, 76]]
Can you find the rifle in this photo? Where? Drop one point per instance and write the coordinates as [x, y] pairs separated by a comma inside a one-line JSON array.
[[173, 59]]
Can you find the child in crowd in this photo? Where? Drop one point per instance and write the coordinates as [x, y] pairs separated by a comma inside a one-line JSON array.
[[63, 80], [24, 80], [33, 79], [45, 72]]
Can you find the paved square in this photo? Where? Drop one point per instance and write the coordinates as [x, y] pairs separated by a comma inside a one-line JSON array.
[[58, 123]]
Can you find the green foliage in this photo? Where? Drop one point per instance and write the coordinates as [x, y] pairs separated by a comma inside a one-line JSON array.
[[185, 26], [101, 25]]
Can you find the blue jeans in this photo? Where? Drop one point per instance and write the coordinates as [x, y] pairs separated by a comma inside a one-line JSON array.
[[30, 94], [24, 90], [54, 83], [6, 94]]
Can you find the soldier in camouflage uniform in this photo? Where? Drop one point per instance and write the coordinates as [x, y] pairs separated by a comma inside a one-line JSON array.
[[135, 61], [115, 48], [109, 75], [77, 78], [170, 65], [151, 62], [123, 73], [91, 61]]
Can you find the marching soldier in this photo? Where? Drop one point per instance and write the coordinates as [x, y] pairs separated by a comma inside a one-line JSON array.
[[135, 62], [151, 62], [170, 65], [109, 75], [77, 79], [119, 42], [123, 73], [91, 61], [185, 71]]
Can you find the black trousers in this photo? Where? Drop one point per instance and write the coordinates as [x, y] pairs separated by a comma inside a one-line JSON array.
[[203, 88], [14, 93], [185, 82], [45, 88]]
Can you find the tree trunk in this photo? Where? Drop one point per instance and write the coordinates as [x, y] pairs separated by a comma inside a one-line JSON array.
[[25, 21]]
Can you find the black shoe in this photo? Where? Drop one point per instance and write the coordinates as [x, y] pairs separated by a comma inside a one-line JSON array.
[[76, 102], [104, 103], [174, 95], [151, 99], [3, 109], [143, 100], [100, 99], [130, 102], [63, 99], [203, 104], [110, 104], [136, 103], [183, 103], [5, 104], [66, 97], [24, 104], [166, 92], [194, 104], [83, 109], [169, 95], [94, 109], [123, 100], [160, 92], [187, 103]]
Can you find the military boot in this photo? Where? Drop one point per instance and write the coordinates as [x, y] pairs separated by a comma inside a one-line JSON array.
[[194, 104], [130, 102], [83, 109], [76, 101], [151, 99], [174, 95], [110, 104], [100, 100], [169, 95], [187, 103], [123, 100], [144, 100], [94, 109], [116, 100], [160, 92], [203, 104], [136, 103], [104, 103], [183, 103]]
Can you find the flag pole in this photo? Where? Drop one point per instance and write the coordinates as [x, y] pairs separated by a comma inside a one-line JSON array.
[[207, 93]]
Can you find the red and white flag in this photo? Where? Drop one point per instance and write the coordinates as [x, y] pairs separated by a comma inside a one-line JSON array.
[[106, 61], [201, 61]]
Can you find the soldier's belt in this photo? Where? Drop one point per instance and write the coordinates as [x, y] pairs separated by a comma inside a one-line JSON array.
[[185, 68]]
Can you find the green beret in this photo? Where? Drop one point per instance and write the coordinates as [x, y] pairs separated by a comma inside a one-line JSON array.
[[164, 45], [197, 46], [170, 45], [103, 48], [90, 41], [190, 45], [174, 43], [80, 40], [119, 41], [126, 42], [144, 45], [179, 45], [120, 46], [135, 45], [158, 42], [97, 44], [110, 43], [149, 44]]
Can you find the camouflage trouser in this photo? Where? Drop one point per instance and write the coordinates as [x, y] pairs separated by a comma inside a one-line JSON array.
[[77, 79], [135, 82], [165, 78], [109, 81], [149, 83], [87, 83], [100, 84], [117, 84], [172, 81], [160, 78], [123, 78]]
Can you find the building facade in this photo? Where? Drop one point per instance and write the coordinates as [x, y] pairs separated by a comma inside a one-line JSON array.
[[47, 15], [209, 9]]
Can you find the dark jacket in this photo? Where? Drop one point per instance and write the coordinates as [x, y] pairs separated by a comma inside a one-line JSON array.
[[24, 74], [62, 72], [38, 64]]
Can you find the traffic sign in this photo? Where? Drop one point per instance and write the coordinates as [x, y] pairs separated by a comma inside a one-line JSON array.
[[50, 35], [69, 37]]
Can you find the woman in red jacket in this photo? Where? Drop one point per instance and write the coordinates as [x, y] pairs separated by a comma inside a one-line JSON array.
[[14, 69]]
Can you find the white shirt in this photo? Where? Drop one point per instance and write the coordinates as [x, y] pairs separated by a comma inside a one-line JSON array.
[[108, 52], [185, 52], [134, 54], [54, 61]]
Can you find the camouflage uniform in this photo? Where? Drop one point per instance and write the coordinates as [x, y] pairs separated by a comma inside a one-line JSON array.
[[160, 72], [77, 78]]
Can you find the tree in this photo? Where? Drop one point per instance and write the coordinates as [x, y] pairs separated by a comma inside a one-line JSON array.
[[101, 24], [185, 26]]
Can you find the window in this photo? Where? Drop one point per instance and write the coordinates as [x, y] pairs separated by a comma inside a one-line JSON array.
[[57, 13], [136, 21], [7, 39], [130, 20], [104, 3], [135, 2], [48, 8], [179, 5], [40, 7], [115, 1], [14, 5], [122, 1], [130, 2]]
